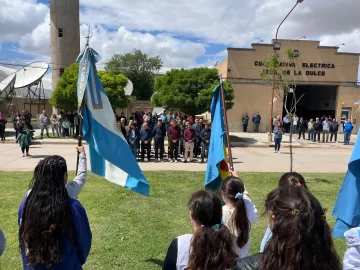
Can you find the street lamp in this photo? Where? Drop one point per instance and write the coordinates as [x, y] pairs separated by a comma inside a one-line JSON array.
[[277, 46]]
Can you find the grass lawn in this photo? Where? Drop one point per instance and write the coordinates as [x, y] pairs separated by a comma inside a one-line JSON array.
[[133, 232]]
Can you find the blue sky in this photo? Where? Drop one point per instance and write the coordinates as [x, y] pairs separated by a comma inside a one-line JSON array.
[[184, 33]]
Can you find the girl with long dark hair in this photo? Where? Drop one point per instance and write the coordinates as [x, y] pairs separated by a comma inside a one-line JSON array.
[[238, 213], [301, 235], [210, 246], [287, 179], [54, 229]]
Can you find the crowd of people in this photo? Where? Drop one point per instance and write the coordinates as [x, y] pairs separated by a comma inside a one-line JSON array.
[[55, 233], [186, 137], [326, 126]]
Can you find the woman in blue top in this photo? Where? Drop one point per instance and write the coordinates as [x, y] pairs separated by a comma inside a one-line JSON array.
[[54, 229], [277, 136]]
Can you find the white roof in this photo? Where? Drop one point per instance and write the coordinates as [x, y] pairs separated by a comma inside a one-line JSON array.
[[21, 93]]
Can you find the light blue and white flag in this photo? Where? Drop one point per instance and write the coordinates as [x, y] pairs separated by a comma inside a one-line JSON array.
[[347, 206], [110, 154]]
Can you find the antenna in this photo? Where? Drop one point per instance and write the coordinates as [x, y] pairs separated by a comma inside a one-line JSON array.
[[89, 35], [260, 41]]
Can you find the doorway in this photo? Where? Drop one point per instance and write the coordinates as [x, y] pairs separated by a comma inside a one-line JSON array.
[[314, 101]]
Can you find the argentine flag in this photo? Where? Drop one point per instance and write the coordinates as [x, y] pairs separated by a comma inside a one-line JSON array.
[[110, 154]]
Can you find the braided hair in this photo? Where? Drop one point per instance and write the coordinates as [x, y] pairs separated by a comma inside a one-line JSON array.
[[47, 215]]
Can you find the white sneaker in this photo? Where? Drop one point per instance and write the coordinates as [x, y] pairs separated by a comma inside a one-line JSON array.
[[278, 152], [171, 161], [175, 160], [275, 152], [158, 160]]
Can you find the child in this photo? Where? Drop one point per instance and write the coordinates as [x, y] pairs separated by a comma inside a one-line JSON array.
[[238, 213], [352, 254], [66, 124], [210, 246], [288, 179], [54, 231]]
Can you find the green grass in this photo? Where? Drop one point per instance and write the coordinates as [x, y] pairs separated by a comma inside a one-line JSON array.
[[133, 232]]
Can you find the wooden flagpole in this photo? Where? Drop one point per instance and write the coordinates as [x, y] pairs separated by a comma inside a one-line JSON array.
[[226, 124]]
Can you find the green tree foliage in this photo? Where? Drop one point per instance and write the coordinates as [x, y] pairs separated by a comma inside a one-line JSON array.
[[139, 68], [65, 96], [189, 90]]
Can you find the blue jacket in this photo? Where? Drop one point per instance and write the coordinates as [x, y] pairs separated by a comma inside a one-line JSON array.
[[348, 127], [73, 258], [145, 134], [256, 119], [199, 128], [159, 132], [135, 139]]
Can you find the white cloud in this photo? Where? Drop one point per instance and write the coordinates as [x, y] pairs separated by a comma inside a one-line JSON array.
[[19, 17], [174, 52], [182, 30]]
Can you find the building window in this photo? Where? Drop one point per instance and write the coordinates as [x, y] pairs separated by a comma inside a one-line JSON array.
[[60, 32], [61, 71]]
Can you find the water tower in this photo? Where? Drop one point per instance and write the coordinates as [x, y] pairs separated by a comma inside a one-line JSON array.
[[65, 36]]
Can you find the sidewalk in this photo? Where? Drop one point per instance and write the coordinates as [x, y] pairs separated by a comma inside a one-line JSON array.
[[238, 139]]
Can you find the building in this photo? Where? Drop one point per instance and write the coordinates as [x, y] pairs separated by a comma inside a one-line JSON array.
[[327, 79], [65, 36]]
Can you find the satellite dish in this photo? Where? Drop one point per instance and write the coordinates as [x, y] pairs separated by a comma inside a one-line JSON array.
[[129, 88], [30, 74], [7, 86]]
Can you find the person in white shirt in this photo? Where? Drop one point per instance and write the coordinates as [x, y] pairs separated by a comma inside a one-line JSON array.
[[238, 213], [210, 246], [295, 124], [44, 123]]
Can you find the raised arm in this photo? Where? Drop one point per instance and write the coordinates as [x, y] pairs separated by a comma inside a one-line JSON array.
[[74, 187]]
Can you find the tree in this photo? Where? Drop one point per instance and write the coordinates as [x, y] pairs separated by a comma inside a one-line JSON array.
[[139, 68], [284, 83], [189, 90], [65, 95]]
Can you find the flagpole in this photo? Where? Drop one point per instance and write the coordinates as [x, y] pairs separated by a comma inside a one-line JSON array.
[[226, 123], [80, 138]]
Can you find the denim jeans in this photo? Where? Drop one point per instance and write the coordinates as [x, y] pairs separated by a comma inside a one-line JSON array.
[[133, 148], [55, 128], [310, 134], [277, 144], [46, 129], [347, 136], [204, 146]]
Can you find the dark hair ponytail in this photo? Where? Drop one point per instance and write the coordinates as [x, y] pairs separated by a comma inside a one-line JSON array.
[[294, 179], [211, 245], [233, 189]]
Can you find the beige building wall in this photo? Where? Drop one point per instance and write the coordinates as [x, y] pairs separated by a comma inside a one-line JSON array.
[[64, 17], [316, 65]]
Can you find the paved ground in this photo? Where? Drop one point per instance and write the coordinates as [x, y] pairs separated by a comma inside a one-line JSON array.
[[250, 159]]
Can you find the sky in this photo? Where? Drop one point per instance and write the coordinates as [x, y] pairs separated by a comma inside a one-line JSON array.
[[184, 33]]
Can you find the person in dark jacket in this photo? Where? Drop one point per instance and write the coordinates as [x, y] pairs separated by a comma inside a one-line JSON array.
[[302, 127], [245, 122], [291, 210], [159, 133], [145, 136], [317, 129], [3, 122], [205, 138], [133, 138], [334, 128], [174, 135], [182, 141], [198, 129]]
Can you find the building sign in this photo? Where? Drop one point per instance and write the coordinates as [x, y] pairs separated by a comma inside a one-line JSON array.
[[304, 66]]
